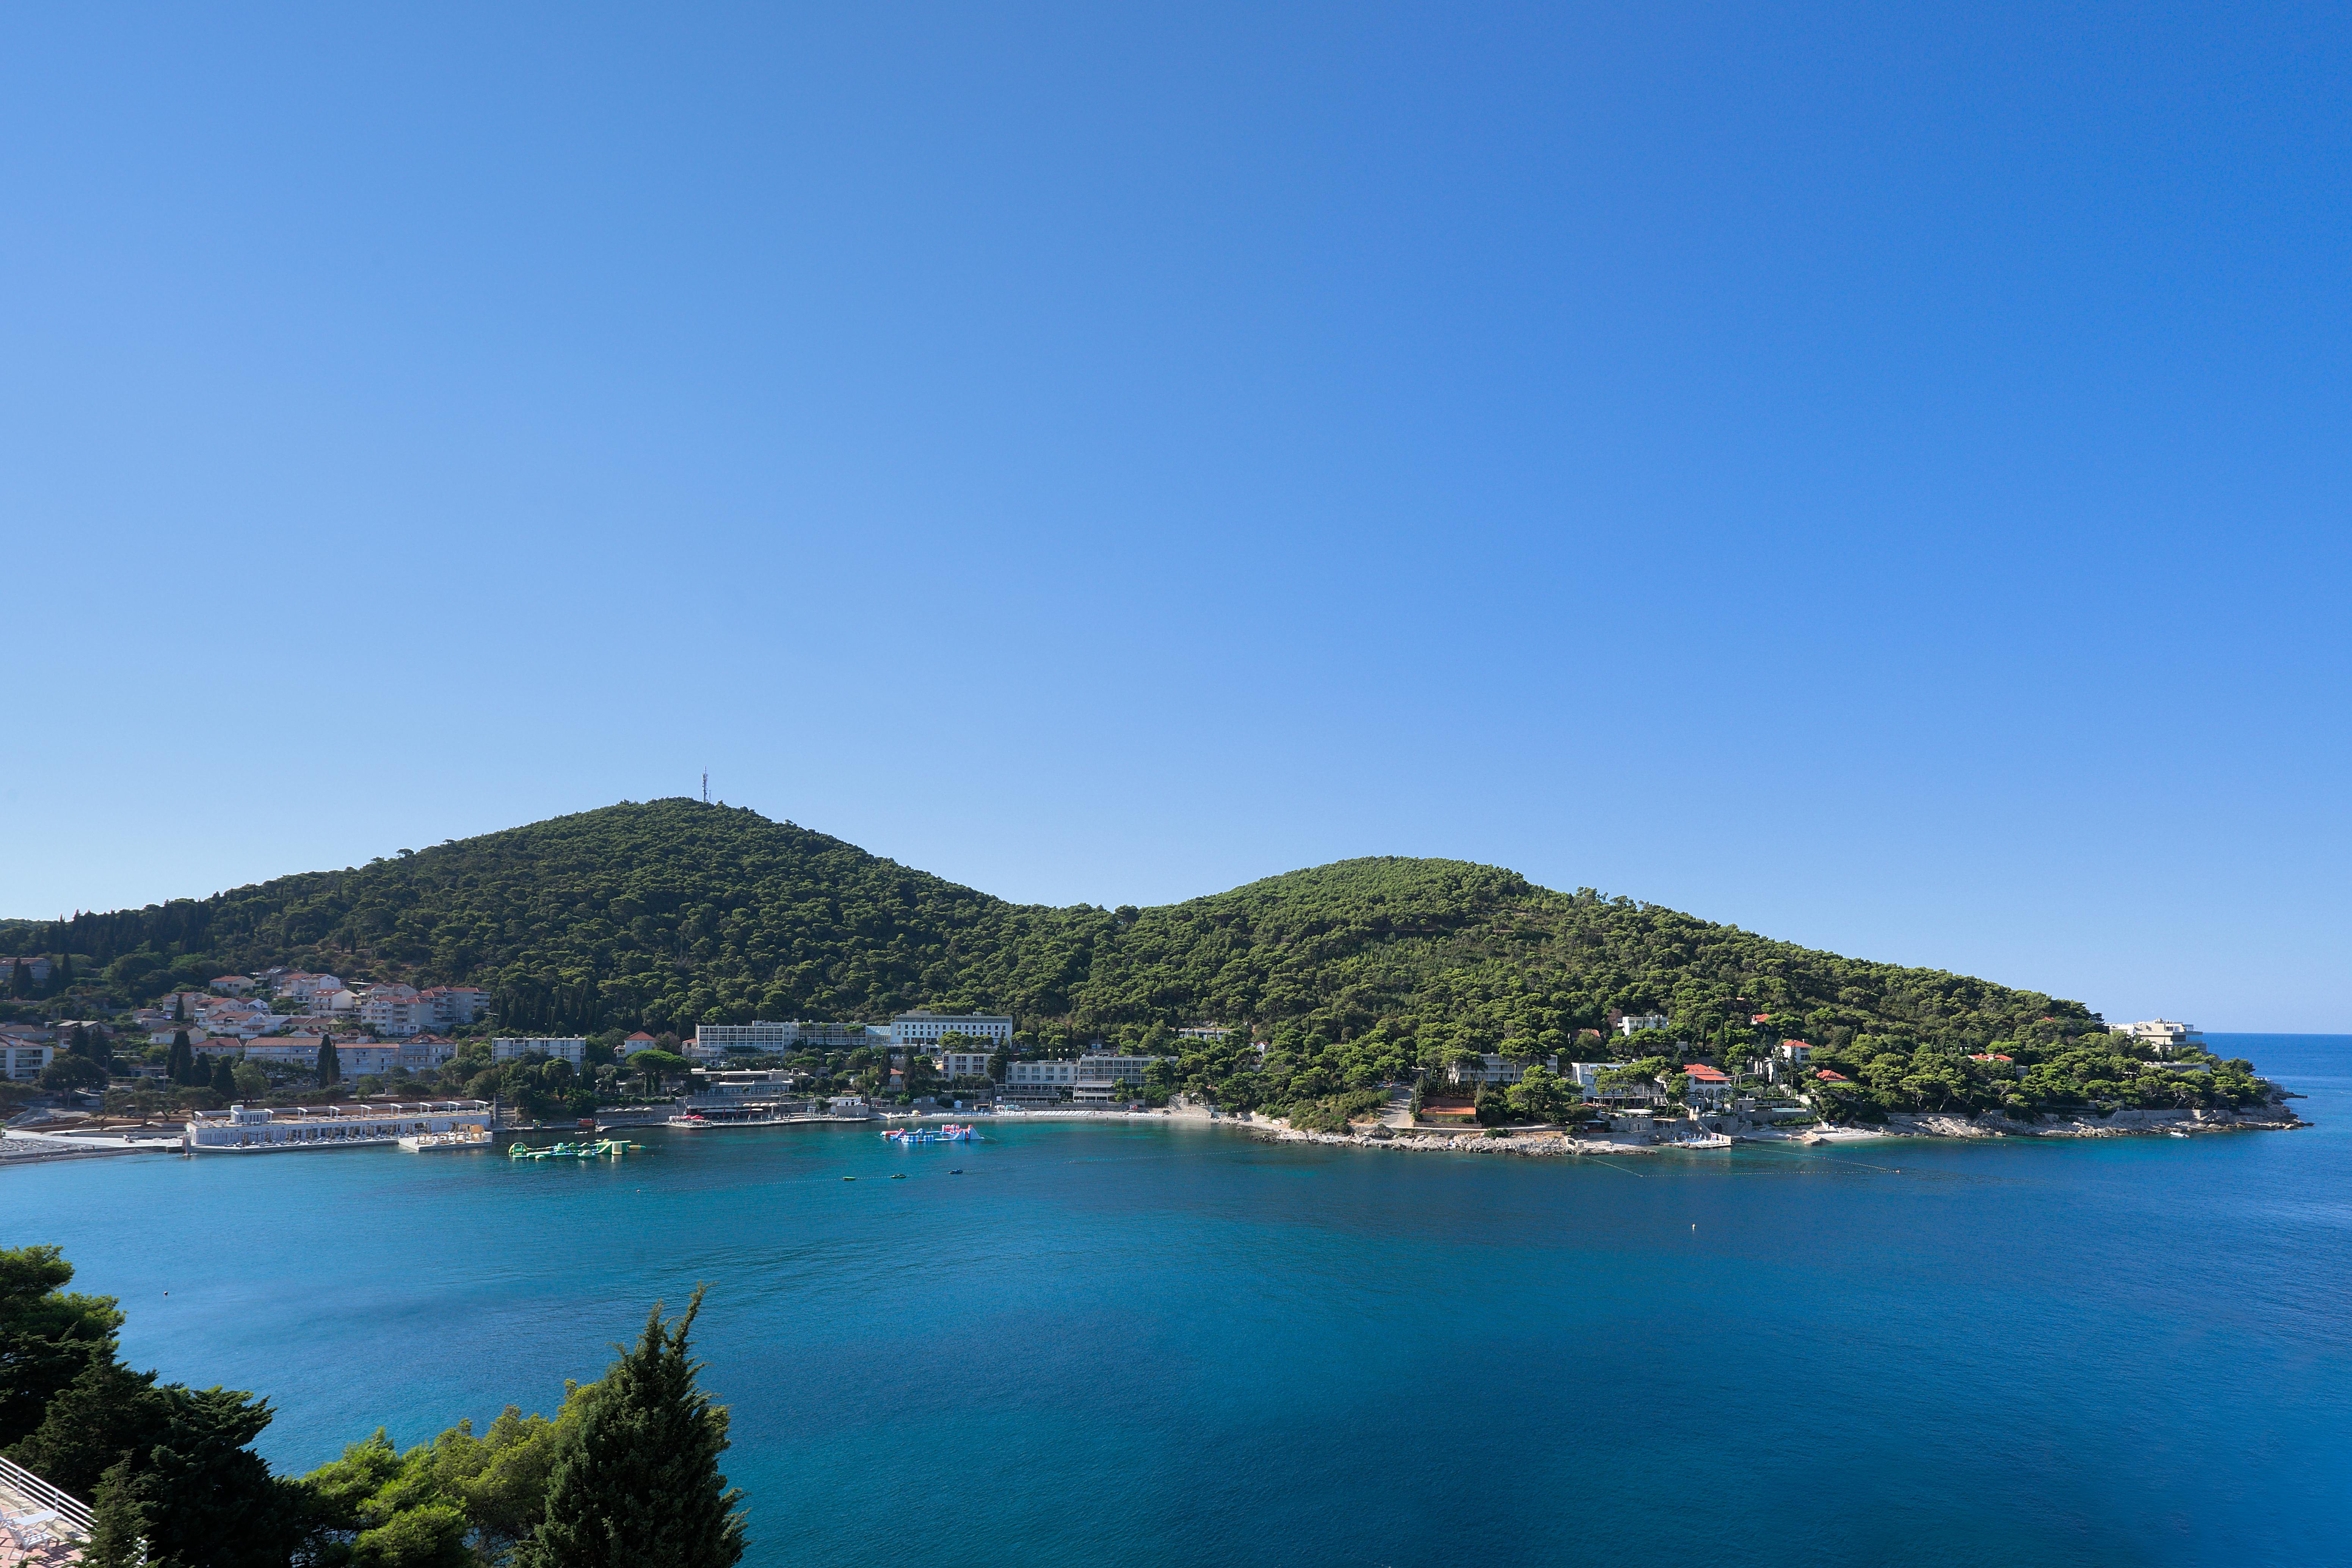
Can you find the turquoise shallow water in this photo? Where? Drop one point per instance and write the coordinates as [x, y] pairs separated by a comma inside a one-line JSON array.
[[1175, 1345]]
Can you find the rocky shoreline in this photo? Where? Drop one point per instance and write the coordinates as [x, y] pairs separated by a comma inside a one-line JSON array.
[[1538, 1143]]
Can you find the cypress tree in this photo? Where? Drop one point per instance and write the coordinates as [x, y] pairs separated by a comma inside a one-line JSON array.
[[175, 1066], [225, 1075], [331, 1065], [118, 1524], [637, 1484], [180, 1007], [79, 1041]]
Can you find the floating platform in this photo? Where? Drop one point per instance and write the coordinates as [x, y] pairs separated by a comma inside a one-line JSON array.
[[602, 1149], [950, 1133]]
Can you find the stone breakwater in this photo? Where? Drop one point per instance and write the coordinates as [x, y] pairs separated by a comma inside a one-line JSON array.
[[2273, 1118]]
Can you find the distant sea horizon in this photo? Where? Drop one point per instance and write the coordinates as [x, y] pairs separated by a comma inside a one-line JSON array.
[[1164, 1345]]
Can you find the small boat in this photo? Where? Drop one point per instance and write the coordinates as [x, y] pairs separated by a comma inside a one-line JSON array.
[[950, 1133], [1703, 1140], [457, 1138]]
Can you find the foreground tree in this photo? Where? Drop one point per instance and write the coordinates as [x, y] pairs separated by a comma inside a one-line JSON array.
[[331, 1065], [118, 1536], [637, 1483], [49, 1335]]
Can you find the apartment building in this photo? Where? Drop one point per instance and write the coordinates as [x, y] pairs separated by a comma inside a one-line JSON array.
[[451, 1006], [964, 1064], [23, 1061], [572, 1049]]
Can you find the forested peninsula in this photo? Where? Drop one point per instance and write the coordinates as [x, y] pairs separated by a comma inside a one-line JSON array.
[[665, 914]]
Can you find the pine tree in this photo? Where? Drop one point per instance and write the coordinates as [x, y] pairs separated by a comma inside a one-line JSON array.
[[175, 1066], [331, 1065], [118, 1524], [637, 1484]]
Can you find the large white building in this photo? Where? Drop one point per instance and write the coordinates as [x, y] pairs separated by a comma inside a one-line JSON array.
[[287, 1050], [360, 1056], [427, 1053], [765, 1038], [1102, 1078], [303, 987], [964, 1064], [572, 1049], [389, 1009], [1635, 1022], [924, 1030], [24, 1061], [450, 1006], [2165, 1035], [1039, 1080], [240, 1131]]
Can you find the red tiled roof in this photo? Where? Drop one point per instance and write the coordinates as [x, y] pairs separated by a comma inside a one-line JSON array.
[[1703, 1073], [1832, 1077]]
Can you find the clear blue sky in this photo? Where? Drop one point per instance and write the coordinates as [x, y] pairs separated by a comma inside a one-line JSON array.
[[1873, 475]]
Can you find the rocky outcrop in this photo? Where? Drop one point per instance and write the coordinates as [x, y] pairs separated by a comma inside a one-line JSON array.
[[2271, 1118]]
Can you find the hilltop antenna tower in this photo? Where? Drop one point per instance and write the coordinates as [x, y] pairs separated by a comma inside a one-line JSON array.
[[706, 786]]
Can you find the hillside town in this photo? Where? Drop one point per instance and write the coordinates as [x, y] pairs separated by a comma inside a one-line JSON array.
[[315, 1044]]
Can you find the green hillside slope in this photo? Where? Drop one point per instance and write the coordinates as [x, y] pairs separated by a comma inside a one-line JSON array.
[[671, 912]]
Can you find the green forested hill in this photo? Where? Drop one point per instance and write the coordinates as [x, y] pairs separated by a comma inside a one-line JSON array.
[[671, 912]]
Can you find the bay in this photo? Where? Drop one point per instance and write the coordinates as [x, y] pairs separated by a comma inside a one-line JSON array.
[[1174, 1345]]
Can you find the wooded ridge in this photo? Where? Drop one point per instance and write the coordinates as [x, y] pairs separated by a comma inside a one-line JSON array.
[[671, 912]]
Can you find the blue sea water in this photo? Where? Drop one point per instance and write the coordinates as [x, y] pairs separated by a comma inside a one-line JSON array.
[[1166, 1344]]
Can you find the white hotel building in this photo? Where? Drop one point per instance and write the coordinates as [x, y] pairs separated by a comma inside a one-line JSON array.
[[923, 1030], [778, 1039]]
